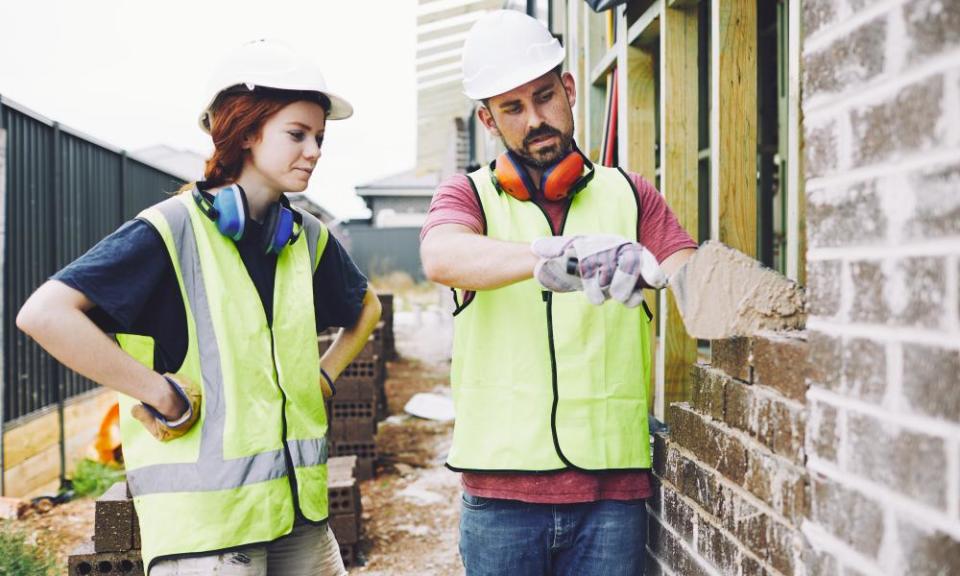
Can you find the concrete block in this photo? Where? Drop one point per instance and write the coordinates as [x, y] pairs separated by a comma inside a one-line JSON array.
[[114, 520], [366, 453], [83, 561], [722, 292], [349, 553], [346, 527]]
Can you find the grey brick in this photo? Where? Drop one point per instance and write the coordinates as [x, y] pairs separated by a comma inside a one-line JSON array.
[[718, 549], [817, 14], [904, 125], [826, 359], [823, 434], [937, 212], [933, 27], [928, 552], [848, 515], [820, 149], [707, 393], [909, 462], [853, 217], [678, 515], [819, 563], [849, 62], [864, 370], [823, 287], [931, 377], [926, 293], [869, 305]]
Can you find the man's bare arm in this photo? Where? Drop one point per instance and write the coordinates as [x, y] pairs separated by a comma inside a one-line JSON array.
[[456, 256]]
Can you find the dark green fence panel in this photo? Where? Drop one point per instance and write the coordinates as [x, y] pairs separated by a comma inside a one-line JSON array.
[[64, 192]]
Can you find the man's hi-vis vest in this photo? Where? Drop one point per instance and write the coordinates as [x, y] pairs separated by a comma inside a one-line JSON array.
[[258, 452], [545, 381]]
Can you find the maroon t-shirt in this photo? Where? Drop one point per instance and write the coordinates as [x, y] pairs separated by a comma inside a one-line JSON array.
[[455, 203]]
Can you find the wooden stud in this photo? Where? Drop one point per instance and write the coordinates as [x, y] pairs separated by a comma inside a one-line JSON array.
[[733, 134], [679, 182], [637, 141]]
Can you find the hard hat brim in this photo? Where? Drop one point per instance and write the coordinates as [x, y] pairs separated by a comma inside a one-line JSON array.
[[340, 109]]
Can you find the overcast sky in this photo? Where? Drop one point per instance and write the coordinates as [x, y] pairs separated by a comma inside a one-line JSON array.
[[132, 73]]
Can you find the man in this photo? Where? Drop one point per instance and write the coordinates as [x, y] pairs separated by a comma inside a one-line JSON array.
[[549, 255]]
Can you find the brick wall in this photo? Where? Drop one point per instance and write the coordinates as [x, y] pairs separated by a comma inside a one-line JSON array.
[[836, 451], [881, 104], [732, 488]]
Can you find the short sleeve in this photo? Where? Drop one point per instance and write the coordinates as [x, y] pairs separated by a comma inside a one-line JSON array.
[[454, 202], [659, 232], [119, 274], [338, 288]]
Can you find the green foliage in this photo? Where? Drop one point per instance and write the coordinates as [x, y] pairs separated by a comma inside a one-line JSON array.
[[93, 478], [20, 558]]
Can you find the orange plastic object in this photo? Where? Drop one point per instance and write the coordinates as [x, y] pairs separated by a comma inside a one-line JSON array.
[[107, 443]]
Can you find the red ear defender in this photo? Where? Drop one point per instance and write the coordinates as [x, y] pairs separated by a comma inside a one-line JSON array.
[[560, 178], [557, 182], [511, 178]]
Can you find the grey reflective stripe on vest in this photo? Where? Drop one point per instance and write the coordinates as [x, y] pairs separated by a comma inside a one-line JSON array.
[[211, 471], [312, 225]]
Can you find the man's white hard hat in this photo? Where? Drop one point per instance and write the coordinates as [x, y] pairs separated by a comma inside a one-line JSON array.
[[269, 64], [506, 49]]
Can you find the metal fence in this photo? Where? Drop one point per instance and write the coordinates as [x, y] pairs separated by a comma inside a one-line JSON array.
[[63, 192]]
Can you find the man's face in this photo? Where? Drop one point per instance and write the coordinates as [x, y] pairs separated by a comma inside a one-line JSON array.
[[535, 120]]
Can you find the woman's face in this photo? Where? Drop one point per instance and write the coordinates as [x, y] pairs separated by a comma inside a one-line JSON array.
[[285, 154]]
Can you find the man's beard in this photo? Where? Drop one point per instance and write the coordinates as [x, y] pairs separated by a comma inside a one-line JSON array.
[[547, 156]]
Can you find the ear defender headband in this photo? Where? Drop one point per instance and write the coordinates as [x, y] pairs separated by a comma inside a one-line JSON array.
[[228, 211], [562, 180]]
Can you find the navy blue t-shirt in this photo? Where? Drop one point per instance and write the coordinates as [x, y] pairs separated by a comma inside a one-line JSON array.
[[130, 278]]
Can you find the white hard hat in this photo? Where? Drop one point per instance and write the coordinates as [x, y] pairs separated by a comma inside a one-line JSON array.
[[505, 49], [270, 64]]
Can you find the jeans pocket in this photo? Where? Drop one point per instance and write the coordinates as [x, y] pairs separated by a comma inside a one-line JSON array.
[[471, 502]]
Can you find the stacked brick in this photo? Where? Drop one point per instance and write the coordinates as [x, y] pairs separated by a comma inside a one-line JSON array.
[[361, 399], [882, 131], [115, 547], [731, 490], [389, 342], [344, 504]]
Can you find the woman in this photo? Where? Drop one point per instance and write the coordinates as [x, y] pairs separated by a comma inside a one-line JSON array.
[[216, 296]]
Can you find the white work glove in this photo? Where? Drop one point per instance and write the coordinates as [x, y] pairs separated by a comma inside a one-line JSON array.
[[604, 266]]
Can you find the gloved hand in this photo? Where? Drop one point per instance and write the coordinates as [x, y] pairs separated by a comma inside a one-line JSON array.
[[155, 423], [606, 266]]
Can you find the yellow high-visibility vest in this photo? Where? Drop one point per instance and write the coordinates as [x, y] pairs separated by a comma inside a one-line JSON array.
[[547, 381], [259, 450]]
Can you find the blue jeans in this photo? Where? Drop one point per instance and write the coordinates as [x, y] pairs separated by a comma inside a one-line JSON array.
[[507, 537]]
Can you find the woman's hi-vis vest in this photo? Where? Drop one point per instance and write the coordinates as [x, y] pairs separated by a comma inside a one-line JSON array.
[[545, 381], [258, 453]]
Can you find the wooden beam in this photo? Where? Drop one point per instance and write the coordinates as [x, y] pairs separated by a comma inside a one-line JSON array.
[[679, 182], [444, 14], [637, 145], [733, 134], [594, 35], [644, 30], [575, 65], [598, 76], [682, 3]]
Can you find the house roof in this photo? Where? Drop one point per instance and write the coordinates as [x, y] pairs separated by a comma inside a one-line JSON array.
[[402, 184]]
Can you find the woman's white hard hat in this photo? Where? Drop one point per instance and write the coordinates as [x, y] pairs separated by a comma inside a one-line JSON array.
[[269, 64], [506, 49]]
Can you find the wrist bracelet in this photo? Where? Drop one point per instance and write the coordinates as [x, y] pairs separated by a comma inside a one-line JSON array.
[[333, 389]]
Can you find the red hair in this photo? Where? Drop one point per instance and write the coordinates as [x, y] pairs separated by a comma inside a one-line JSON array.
[[237, 115]]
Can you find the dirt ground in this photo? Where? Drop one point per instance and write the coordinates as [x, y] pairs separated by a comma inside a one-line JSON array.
[[410, 510]]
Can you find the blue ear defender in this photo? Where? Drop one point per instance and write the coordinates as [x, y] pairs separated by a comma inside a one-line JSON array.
[[228, 211]]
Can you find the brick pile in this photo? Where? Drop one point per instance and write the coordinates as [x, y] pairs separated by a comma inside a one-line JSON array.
[[115, 546], [346, 510]]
